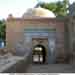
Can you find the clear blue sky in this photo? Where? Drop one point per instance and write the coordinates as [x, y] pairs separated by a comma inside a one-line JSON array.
[[18, 7]]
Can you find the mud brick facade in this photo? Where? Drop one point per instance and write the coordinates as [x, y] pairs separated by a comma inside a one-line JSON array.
[[17, 29]]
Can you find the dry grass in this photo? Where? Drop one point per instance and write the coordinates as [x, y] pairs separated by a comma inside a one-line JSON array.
[[4, 51]]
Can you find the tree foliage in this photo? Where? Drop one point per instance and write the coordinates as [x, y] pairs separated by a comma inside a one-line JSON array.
[[59, 8], [2, 30]]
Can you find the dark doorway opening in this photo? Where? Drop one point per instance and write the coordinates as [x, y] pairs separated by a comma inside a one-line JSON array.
[[39, 54]]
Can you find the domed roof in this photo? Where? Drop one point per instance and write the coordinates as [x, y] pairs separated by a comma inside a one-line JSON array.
[[38, 12]]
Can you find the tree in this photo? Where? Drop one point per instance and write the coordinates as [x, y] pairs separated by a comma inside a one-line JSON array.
[[59, 8], [2, 30]]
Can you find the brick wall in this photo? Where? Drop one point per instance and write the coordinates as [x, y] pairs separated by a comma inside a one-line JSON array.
[[15, 30]]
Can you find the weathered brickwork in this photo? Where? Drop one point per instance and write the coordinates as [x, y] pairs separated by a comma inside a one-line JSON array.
[[15, 31]]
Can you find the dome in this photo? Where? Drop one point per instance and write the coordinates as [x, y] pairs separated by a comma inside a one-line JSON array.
[[38, 12]]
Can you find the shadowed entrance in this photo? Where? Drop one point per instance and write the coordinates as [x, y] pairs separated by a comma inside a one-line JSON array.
[[39, 54]]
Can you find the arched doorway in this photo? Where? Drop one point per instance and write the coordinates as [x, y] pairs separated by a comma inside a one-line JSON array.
[[39, 54]]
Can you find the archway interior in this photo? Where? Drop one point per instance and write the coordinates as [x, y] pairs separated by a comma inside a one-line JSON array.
[[39, 54]]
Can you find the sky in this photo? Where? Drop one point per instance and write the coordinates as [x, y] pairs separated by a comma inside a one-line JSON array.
[[18, 7]]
